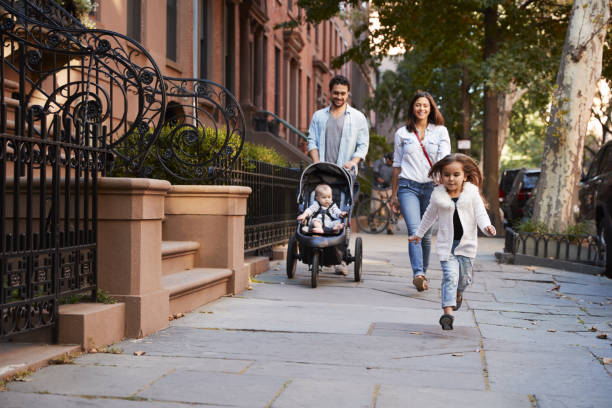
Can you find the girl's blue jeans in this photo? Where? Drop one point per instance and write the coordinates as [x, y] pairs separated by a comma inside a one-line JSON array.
[[456, 276], [414, 199]]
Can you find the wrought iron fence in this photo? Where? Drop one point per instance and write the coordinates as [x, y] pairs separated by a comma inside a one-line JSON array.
[[272, 205], [574, 248]]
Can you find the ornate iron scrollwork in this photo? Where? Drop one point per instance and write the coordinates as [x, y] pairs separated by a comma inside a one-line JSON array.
[[203, 133], [87, 77]]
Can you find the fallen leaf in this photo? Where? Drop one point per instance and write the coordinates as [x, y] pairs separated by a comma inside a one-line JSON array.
[[140, 353], [277, 269], [23, 379], [606, 360], [530, 268], [602, 336], [552, 330], [93, 350], [170, 318], [458, 354], [179, 315], [534, 323], [418, 333], [249, 287], [593, 329]]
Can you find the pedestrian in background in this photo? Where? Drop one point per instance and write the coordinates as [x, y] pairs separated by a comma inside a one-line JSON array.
[[381, 182], [418, 145], [458, 205], [339, 134]]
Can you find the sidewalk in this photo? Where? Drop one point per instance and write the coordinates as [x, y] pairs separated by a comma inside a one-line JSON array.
[[517, 342]]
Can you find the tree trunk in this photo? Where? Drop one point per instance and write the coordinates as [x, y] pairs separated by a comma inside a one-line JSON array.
[[490, 158], [579, 71], [506, 102], [466, 110]]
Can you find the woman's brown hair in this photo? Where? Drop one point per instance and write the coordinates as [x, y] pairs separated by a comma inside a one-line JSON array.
[[470, 169], [434, 117]]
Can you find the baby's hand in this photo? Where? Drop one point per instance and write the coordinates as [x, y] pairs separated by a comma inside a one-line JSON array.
[[490, 230], [343, 214], [301, 217], [414, 238]]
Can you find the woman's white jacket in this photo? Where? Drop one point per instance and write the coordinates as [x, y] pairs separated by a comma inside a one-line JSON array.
[[471, 211]]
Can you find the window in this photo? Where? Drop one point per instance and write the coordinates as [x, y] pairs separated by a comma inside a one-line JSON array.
[[204, 15], [308, 99], [277, 80], [171, 26], [134, 18], [230, 43]]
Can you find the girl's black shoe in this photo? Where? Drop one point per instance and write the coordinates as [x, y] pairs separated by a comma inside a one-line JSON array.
[[446, 321]]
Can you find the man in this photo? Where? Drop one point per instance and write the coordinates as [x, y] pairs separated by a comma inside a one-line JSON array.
[[381, 182], [339, 133]]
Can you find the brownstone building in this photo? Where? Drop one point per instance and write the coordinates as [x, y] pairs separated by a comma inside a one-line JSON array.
[[236, 44]]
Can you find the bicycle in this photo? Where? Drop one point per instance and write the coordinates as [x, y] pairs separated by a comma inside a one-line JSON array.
[[374, 215]]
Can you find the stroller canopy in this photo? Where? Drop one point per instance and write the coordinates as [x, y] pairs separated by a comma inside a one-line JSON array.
[[327, 173]]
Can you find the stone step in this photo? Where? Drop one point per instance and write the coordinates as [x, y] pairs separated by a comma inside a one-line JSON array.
[[9, 84], [196, 287], [178, 256]]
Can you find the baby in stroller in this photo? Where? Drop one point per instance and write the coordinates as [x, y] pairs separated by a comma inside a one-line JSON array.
[[325, 215]]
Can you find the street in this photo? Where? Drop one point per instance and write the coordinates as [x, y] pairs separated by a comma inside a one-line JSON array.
[[519, 341]]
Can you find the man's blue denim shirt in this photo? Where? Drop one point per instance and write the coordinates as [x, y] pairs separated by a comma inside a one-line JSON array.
[[355, 135]]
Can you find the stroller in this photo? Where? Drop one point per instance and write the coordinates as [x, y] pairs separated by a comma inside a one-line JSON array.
[[317, 250]]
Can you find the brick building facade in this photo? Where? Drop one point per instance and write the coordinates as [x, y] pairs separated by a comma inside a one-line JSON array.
[[237, 45]]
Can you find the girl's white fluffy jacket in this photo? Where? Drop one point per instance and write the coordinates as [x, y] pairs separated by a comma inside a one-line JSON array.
[[472, 212]]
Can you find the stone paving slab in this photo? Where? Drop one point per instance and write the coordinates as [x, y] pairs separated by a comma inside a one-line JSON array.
[[291, 316], [216, 388], [552, 373], [442, 397], [22, 400], [303, 393], [221, 365], [87, 381]]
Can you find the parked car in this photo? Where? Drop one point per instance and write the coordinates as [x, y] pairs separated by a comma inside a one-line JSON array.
[[595, 197], [516, 187]]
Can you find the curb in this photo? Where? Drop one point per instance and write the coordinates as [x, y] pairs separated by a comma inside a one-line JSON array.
[[520, 259]]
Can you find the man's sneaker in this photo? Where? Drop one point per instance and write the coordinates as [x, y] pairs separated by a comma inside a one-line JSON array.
[[341, 269]]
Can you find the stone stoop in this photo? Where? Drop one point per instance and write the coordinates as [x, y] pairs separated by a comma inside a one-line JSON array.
[[193, 288], [257, 264], [91, 324], [279, 253], [178, 256]]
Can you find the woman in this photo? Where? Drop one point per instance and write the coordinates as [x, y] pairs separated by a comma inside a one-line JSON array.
[[418, 145]]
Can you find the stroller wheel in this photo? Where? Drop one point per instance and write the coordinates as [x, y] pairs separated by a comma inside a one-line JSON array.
[[358, 259], [315, 269], [291, 257]]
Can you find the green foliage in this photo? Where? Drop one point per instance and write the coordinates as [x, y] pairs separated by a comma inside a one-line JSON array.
[[525, 142], [197, 150], [532, 226], [535, 227], [378, 147], [102, 297], [528, 40]]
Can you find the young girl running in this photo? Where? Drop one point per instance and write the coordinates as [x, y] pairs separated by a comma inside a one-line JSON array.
[[460, 208]]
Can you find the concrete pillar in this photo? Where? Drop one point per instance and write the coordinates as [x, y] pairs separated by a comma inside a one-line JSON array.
[[214, 217], [130, 212]]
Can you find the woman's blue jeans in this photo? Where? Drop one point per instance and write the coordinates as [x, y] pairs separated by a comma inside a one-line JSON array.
[[414, 199]]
